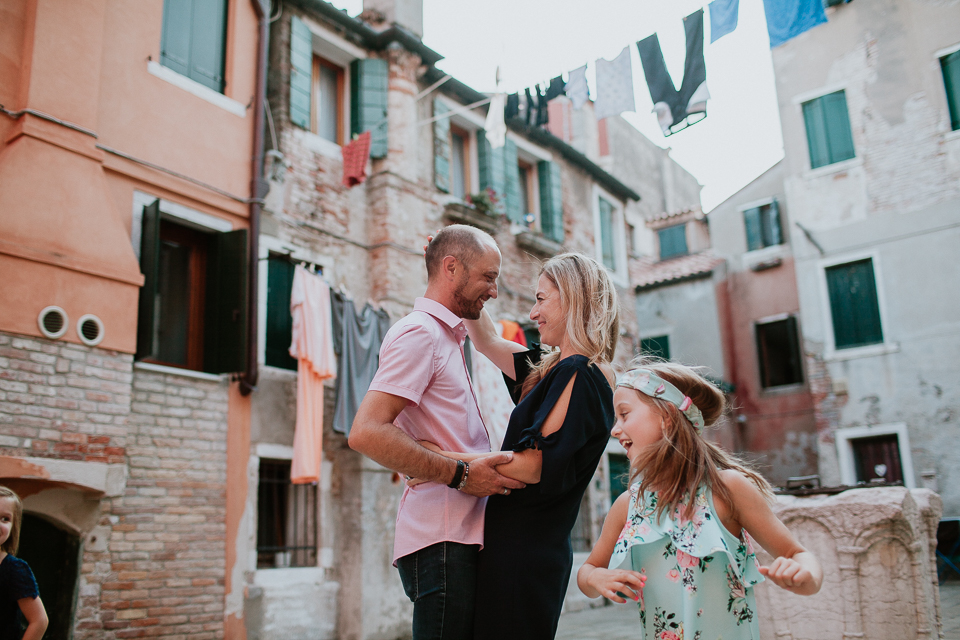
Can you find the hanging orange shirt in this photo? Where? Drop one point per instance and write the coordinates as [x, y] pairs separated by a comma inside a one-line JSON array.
[[513, 332], [312, 346]]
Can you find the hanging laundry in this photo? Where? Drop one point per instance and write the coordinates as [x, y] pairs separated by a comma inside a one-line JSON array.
[[312, 346], [556, 89], [614, 86], [723, 18], [531, 114], [494, 126], [576, 87], [513, 332], [512, 110], [671, 106], [357, 338], [492, 397], [787, 19], [355, 156], [543, 115]]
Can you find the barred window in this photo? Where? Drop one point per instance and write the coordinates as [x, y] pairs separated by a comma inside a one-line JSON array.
[[286, 519]]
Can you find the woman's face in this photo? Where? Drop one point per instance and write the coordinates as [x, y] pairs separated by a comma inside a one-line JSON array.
[[547, 313], [638, 423]]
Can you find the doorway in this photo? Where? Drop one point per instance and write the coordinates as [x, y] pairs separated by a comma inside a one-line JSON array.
[[53, 554]]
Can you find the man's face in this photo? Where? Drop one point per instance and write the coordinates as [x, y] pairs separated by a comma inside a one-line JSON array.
[[477, 284]]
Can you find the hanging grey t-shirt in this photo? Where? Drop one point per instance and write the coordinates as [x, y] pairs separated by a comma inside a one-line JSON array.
[[356, 341]]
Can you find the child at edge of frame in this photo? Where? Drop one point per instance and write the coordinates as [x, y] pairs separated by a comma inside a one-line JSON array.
[[679, 540], [19, 596]]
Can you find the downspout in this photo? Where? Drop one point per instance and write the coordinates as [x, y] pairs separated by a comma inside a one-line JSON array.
[[258, 191]]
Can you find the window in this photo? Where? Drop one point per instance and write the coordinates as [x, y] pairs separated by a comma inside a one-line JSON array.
[[763, 226], [950, 65], [279, 321], [551, 200], [673, 241], [326, 119], [608, 257], [632, 238], [828, 129], [286, 518], [778, 351], [192, 40], [854, 307], [877, 458], [527, 208], [193, 303], [619, 469], [658, 346], [459, 161]]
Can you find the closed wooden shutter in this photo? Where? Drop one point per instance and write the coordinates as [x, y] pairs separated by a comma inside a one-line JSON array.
[[279, 319], [673, 241], [950, 65], [816, 133], [225, 330], [551, 200], [854, 307], [368, 102], [492, 175], [301, 72], [751, 222], [511, 169], [658, 346], [150, 267], [839, 137], [441, 146], [192, 40]]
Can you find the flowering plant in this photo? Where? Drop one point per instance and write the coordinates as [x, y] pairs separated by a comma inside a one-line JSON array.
[[486, 202]]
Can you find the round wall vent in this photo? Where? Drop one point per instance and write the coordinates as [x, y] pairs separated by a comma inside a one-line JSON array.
[[90, 329], [53, 322]]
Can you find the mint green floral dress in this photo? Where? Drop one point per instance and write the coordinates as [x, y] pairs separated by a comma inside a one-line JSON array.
[[700, 577]]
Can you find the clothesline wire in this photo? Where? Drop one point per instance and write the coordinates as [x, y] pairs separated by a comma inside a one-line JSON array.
[[453, 112]]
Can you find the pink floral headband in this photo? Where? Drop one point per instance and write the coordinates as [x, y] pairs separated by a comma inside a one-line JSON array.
[[649, 383]]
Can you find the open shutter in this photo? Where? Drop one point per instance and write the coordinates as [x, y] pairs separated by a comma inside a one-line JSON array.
[[816, 133], [551, 200], [301, 72], [511, 175], [368, 102], [225, 335], [772, 233], [150, 267], [208, 34], [751, 222], [441, 146], [175, 38], [950, 65], [491, 169], [837, 125], [279, 320]]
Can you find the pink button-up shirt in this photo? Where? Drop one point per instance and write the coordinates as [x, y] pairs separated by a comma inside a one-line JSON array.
[[421, 359]]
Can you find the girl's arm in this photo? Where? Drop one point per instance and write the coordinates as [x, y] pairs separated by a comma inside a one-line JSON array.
[[593, 578], [36, 617], [794, 568], [483, 333]]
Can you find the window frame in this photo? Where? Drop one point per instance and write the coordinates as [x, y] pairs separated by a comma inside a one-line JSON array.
[[341, 100], [759, 204], [469, 138], [845, 453], [809, 98], [224, 80], [782, 317], [686, 244], [619, 273], [283, 453], [527, 162]]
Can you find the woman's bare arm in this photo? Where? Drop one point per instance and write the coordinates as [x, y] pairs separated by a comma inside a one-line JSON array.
[[487, 340]]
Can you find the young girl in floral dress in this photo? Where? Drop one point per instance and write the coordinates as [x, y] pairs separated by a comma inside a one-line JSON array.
[[684, 528]]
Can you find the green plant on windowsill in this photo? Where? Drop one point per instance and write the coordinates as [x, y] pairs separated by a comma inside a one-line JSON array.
[[486, 202]]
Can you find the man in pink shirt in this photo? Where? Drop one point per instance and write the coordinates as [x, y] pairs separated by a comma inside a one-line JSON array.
[[422, 391]]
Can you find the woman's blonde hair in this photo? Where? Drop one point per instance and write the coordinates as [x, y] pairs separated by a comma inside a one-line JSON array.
[[683, 459], [13, 541], [589, 301]]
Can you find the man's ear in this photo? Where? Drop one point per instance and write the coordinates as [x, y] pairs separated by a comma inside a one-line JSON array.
[[450, 267]]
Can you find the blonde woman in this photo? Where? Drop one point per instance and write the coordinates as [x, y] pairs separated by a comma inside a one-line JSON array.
[[557, 433]]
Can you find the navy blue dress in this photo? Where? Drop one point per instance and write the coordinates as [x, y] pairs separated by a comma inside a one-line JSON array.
[[16, 582], [525, 564]]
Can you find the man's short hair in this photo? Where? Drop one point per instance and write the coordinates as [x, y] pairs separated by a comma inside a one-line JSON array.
[[464, 243]]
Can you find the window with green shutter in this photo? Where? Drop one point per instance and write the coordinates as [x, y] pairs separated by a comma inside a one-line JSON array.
[[762, 226], [673, 241], [192, 40], [279, 321], [492, 174], [829, 139], [368, 102], [551, 200], [607, 254], [301, 72], [778, 353], [950, 65], [658, 346], [511, 183], [854, 307], [441, 146]]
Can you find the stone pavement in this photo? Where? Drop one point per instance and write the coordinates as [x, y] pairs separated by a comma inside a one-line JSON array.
[[620, 622]]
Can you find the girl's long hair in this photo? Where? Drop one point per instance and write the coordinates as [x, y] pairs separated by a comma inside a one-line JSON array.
[[677, 464], [589, 301], [13, 541]]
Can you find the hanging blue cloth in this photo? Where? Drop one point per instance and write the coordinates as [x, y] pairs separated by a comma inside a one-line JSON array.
[[787, 19], [723, 18]]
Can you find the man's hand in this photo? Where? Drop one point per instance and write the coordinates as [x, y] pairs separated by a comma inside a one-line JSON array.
[[484, 479]]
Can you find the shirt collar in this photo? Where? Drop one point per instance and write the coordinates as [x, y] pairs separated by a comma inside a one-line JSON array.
[[438, 311]]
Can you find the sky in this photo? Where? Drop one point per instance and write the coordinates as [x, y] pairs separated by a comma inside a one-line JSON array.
[[535, 40]]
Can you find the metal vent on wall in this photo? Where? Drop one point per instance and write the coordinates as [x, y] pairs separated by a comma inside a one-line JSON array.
[[90, 330], [53, 322]]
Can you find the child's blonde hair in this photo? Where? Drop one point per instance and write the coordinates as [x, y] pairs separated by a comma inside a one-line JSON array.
[[683, 459], [13, 541], [589, 300]]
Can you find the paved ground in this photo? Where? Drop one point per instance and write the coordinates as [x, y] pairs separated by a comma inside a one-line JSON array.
[[619, 622]]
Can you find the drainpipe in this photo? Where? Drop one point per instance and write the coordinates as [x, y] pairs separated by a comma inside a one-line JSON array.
[[258, 191]]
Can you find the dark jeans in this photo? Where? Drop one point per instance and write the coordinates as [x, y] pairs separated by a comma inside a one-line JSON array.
[[440, 580]]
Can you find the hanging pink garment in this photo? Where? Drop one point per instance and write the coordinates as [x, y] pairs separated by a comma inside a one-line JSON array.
[[312, 346]]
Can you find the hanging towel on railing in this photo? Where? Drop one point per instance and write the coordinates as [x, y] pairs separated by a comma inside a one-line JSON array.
[[671, 106], [355, 156], [312, 346], [614, 86]]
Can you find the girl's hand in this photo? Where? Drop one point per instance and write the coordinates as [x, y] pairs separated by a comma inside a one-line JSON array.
[[614, 584], [429, 240], [426, 444], [412, 482], [789, 574]]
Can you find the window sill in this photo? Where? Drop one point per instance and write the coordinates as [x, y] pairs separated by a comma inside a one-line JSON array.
[[765, 258], [836, 167], [282, 577], [197, 89], [951, 135], [538, 243], [868, 351], [320, 145], [783, 389], [176, 371], [461, 213]]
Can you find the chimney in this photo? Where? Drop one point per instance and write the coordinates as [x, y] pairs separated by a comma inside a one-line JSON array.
[[405, 13]]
